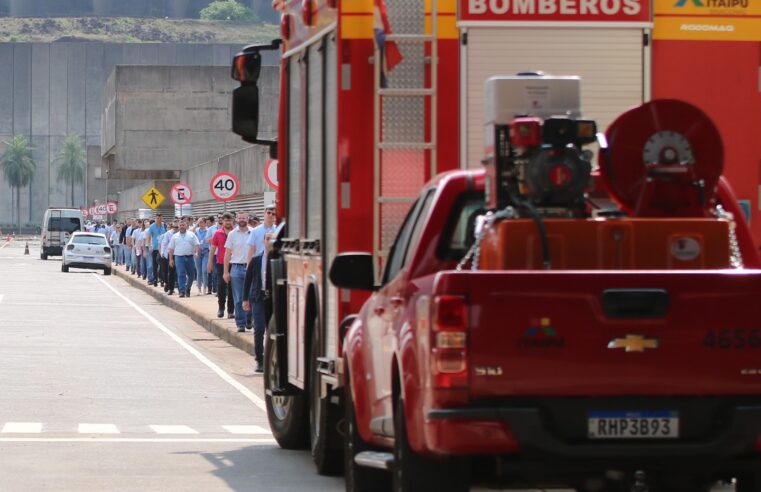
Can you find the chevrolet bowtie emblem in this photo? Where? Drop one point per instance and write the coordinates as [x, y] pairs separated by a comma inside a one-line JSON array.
[[634, 343]]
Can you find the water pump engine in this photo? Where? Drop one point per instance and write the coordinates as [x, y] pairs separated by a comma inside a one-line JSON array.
[[534, 139]]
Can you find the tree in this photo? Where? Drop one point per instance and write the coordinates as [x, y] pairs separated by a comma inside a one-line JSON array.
[[228, 10], [18, 168], [73, 159]]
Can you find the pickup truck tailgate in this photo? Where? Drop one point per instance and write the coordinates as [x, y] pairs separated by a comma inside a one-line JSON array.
[[606, 333]]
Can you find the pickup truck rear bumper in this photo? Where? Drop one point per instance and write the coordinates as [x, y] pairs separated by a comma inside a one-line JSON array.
[[533, 445]]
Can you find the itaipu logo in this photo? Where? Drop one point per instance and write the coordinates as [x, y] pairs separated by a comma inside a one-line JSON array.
[[541, 335], [715, 4]]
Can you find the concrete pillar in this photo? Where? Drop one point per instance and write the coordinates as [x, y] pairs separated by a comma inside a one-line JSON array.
[[179, 8], [103, 8], [22, 8]]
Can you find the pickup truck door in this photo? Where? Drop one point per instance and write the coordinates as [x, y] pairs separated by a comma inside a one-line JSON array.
[[390, 303]]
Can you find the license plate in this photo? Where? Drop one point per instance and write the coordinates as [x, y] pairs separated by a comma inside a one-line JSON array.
[[633, 425]]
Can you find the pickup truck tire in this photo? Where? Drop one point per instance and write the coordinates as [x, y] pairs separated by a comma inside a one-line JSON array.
[[358, 478], [287, 415], [749, 482], [413, 472], [323, 416]]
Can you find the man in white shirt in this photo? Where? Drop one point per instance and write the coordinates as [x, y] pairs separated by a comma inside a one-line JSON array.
[[255, 281], [183, 248], [168, 274], [236, 254]]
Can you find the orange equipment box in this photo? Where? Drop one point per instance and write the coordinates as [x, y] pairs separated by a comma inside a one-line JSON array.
[[608, 244]]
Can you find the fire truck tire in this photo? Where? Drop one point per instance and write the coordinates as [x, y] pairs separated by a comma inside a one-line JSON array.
[[358, 478], [287, 415], [413, 472], [323, 417]]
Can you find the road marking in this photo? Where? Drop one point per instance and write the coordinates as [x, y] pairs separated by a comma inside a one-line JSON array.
[[198, 355], [137, 439], [172, 429], [98, 429], [22, 427], [246, 429]]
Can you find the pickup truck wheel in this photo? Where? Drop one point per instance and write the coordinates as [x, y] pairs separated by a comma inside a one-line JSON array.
[[358, 478], [286, 414], [748, 482], [323, 417], [413, 472]]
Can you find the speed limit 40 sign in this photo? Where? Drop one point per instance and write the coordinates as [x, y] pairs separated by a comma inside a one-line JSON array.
[[224, 186]]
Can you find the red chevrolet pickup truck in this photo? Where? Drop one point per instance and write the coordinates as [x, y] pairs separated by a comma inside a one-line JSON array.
[[618, 349]]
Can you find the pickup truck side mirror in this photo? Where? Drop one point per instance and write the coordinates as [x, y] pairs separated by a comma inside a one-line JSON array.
[[353, 271]]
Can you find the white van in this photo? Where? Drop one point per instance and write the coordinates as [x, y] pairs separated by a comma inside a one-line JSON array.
[[57, 227]]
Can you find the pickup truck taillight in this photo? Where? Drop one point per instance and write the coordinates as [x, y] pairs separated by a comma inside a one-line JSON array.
[[449, 353]]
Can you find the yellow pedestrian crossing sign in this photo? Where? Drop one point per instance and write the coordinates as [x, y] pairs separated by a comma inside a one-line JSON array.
[[153, 197]]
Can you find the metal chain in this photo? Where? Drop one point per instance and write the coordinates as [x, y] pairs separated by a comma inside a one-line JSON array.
[[474, 252], [735, 256]]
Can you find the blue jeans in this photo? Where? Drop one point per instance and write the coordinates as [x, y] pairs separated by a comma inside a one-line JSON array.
[[185, 272], [238, 279], [126, 256], [134, 263], [148, 263], [202, 267]]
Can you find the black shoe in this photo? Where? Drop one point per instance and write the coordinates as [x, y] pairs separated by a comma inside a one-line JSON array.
[[230, 315], [221, 313], [182, 294], [170, 293], [249, 324], [259, 367], [187, 293], [241, 329]]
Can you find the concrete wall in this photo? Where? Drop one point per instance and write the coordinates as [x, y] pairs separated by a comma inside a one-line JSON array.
[[49, 90], [159, 118]]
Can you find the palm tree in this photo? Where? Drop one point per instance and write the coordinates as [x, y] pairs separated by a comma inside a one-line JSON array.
[[18, 168], [73, 160]]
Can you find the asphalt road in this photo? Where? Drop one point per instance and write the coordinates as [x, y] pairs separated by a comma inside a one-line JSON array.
[[102, 388]]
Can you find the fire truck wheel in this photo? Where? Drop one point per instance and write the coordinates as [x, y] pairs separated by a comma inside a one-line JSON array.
[[414, 472], [323, 417], [286, 414], [358, 478]]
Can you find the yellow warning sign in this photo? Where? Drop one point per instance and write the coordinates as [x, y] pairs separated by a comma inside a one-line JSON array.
[[153, 197]]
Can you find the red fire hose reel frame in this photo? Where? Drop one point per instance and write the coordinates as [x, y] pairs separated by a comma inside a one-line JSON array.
[[664, 159]]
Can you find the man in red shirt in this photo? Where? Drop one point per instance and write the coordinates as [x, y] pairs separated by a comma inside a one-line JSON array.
[[217, 264]]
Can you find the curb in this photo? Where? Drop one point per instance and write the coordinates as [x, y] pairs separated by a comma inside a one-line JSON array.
[[243, 341]]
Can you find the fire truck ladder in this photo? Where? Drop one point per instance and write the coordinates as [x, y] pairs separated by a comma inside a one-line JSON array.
[[405, 119]]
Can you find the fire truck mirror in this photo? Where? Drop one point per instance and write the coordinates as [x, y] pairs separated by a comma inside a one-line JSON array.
[[353, 271], [246, 112], [247, 67]]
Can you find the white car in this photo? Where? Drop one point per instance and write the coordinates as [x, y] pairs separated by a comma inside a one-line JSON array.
[[87, 250]]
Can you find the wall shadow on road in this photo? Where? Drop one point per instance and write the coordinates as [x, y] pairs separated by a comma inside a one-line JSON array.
[[269, 468]]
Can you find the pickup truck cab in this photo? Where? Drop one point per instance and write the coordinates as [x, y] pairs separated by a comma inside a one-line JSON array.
[[587, 377]]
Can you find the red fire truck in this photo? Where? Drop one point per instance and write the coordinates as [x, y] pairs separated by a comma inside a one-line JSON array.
[[360, 133]]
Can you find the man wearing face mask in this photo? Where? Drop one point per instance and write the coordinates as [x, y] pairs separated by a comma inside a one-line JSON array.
[[183, 248], [236, 253]]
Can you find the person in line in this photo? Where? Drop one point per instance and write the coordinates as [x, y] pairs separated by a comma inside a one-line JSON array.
[[147, 264], [203, 257], [217, 264], [116, 248], [136, 260], [255, 284], [236, 252], [128, 245], [156, 229], [123, 243], [211, 228], [183, 248], [169, 274]]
